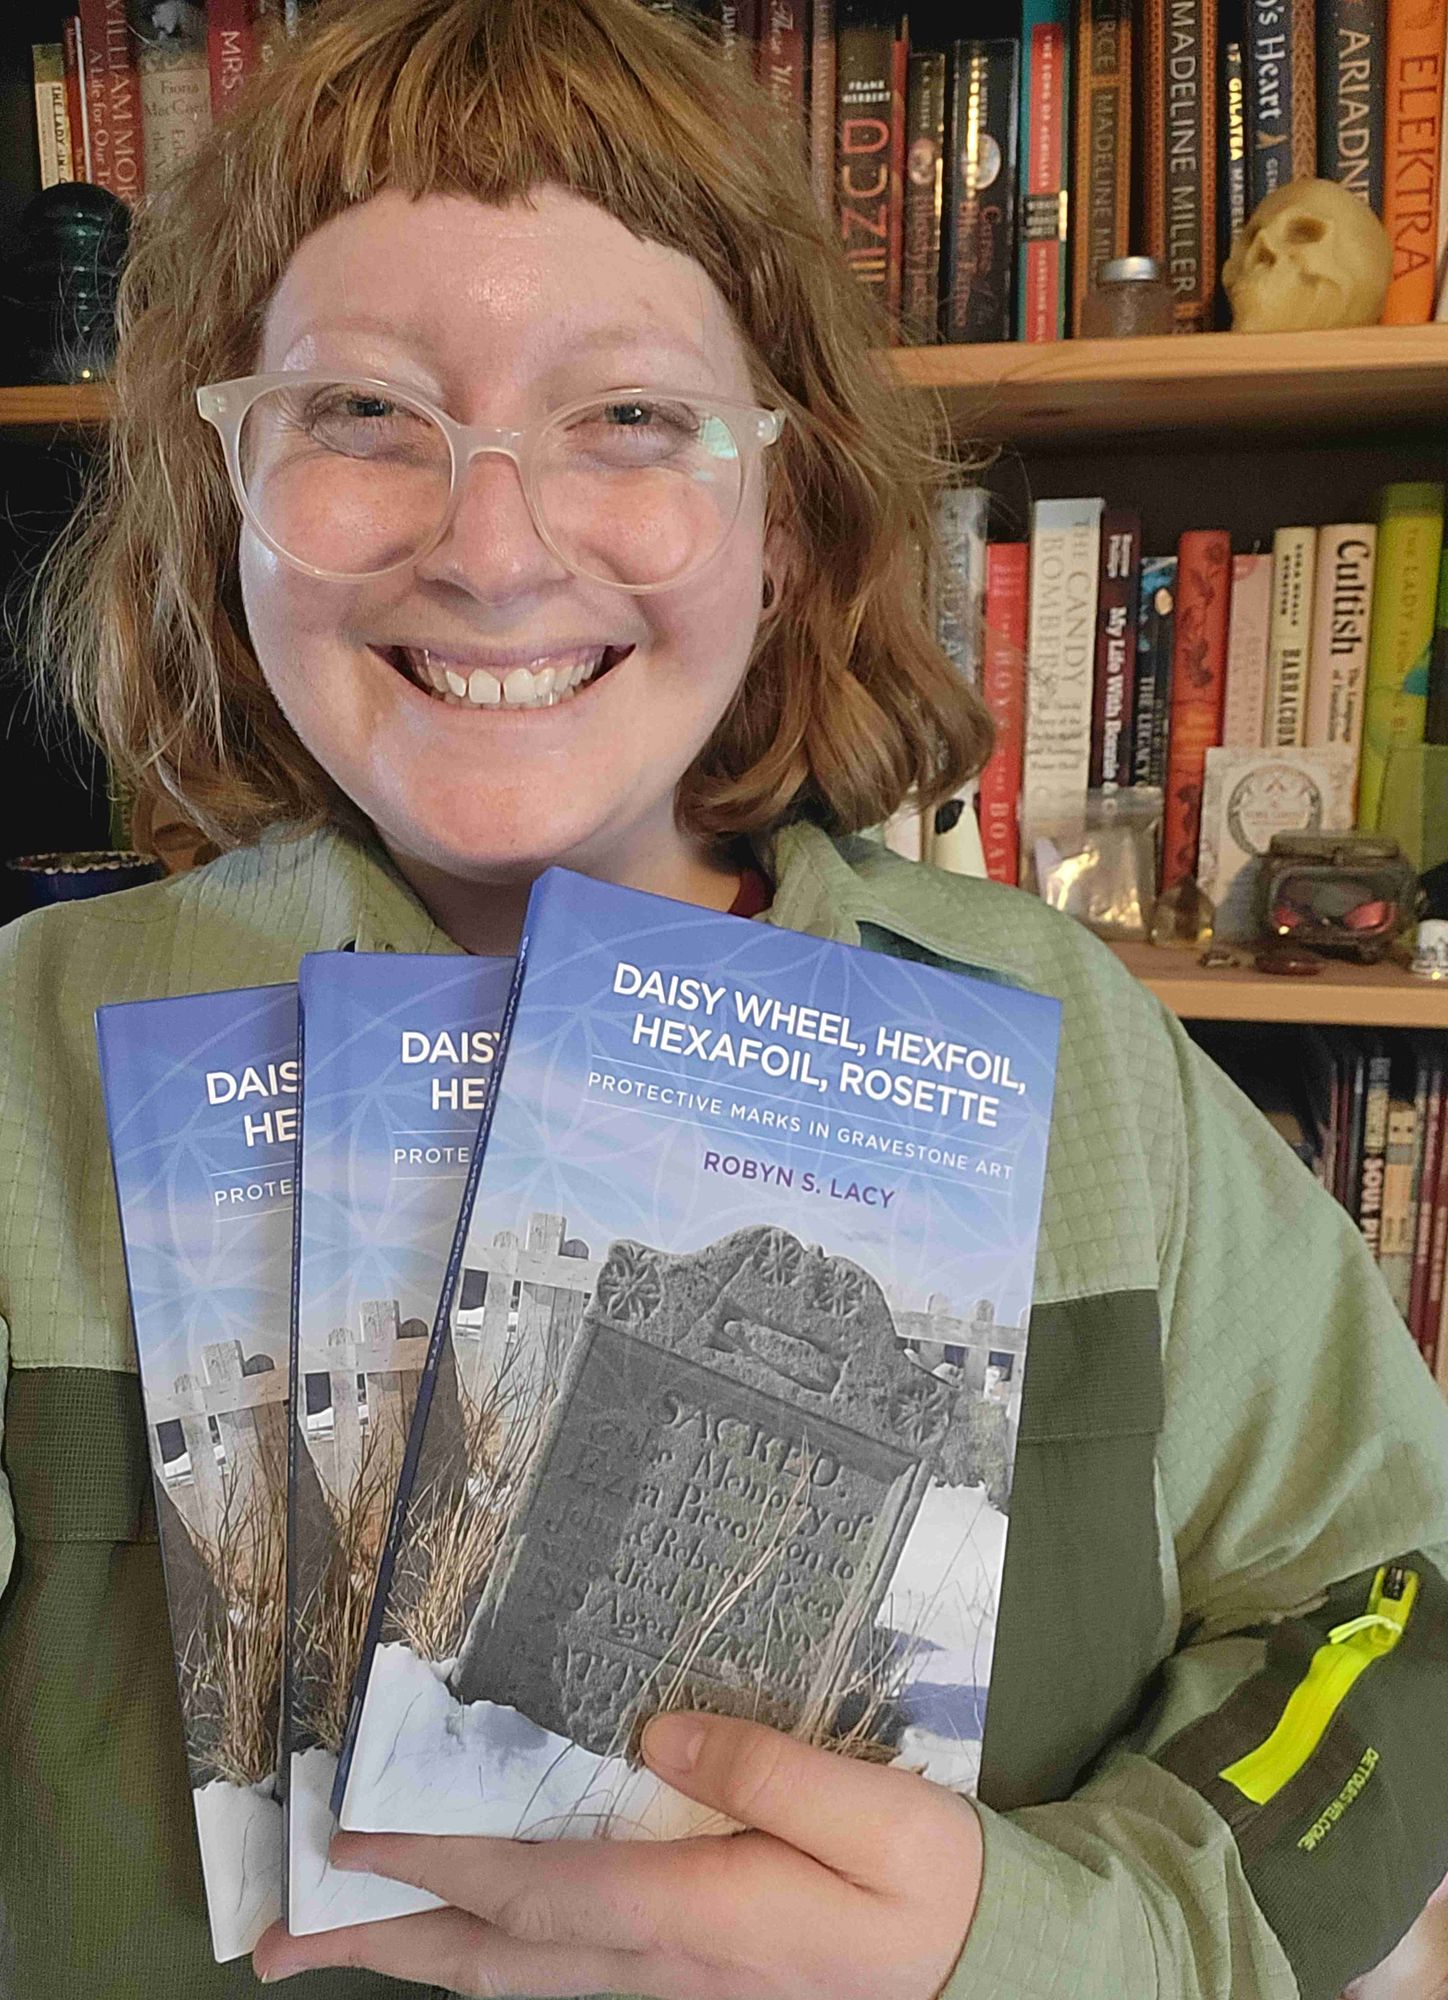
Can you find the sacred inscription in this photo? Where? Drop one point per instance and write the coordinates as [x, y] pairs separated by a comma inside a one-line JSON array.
[[736, 1452]]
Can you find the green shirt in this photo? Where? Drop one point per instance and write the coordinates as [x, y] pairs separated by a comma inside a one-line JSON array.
[[1225, 1431]]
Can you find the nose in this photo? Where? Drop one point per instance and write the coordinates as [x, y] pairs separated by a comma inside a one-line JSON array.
[[491, 546]]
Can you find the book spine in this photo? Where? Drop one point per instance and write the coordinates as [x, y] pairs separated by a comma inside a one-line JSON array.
[[1269, 98], [1427, 1198], [978, 258], [52, 123], [1342, 614], [1061, 648], [1234, 139], [113, 100], [864, 194], [1245, 704], [1395, 1244], [1375, 1146], [268, 29], [1118, 604], [1100, 206], [823, 99], [782, 59], [1198, 686], [924, 191], [1294, 558], [1007, 586], [1180, 152], [899, 79], [1416, 31], [230, 53], [1154, 640], [75, 103], [175, 98], [1410, 548], [1435, 714], [1427, 1331], [1352, 96], [1045, 124], [961, 514]]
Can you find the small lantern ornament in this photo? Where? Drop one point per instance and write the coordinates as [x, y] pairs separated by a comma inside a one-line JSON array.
[[1311, 255]]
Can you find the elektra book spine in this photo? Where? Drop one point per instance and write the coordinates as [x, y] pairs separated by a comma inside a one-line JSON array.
[[396, 1052], [201, 1096], [721, 1404]]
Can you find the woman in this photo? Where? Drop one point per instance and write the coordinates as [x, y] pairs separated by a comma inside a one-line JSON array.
[[391, 720]]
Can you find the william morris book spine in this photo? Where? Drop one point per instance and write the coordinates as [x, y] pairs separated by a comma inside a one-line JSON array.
[[1065, 563], [52, 124], [1198, 684], [1342, 615], [865, 196], [1414, 131], [1251, 611], [1045, 124], [1101, 182], [1117, 608], [924, 187], [1352, 55], [978, 257], [1003, 687], [113, 99], [1179, 171], [1294, 560]]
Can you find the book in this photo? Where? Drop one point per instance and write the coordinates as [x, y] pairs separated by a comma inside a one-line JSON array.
[[924, 199], [112, 99], [230, 50], [1198, 687], [1400, 641], [1435, 714], [738, 1454], [1003, 688], [781, 57], [823, 104], [52, 120], [169, 44], [978, 250], [1100, 213], [1233, 144], [1247, 796], [1244, 708], [1413, 136], [1179, 152], [1352, 56], [1401, 1154], [866, 182], [1427, 1188], [1341, 617], [396, 1051], [1281, 95], [1155, 638], [1060, 660], [1289, 636], [1045, 154], [1375, 1142], [200, 1101], [1427, 1306], [961, 514], [1118, 608]]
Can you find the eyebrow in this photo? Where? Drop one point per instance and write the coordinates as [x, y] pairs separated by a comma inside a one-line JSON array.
[[619, 333]]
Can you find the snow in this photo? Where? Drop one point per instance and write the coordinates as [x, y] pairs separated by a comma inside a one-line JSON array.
[[320, 1897], [239, 1828], [427, 1763]]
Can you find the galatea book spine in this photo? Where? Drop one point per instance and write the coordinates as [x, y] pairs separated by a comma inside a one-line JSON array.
[[1179, 165], [1154, 646], [1044, 170], [396, 1051], [1233, 146], [200, 1099], [1118, 606], [1246, 698], [1003, 686], [924, 197], [1342, 614], [1416, 30], [865, 186], [1060, 663], [978, 256], [1100, 216], [705, 1436], [113, 99], [1352, 57], [230, 50], [1400, 643], [1198, 687], [1289, 637]]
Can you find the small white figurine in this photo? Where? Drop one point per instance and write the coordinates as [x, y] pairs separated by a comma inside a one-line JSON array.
[[1311, 255]]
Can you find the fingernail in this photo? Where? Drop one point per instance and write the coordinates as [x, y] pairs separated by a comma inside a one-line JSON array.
[[675, 1741]]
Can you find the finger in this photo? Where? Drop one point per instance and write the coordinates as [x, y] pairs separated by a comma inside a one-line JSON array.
[[458, 1952], [867, 1822]]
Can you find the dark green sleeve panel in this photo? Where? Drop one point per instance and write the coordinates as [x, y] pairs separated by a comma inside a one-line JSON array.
[[1342, 1859]]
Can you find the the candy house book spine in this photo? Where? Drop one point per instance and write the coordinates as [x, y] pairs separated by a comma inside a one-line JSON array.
[[1060, 666], [1412, 147], [200, 1098], [1003, 688], [924, 192], [1118, 607], [1198, 686], [1179, 165], [1352, 54], [721, 1403], [396, 1051], [1045, 169], [1100, 218], [978, 252]]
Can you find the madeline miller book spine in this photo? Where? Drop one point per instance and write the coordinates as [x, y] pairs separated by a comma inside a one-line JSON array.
[[1179, 167], [1416, 31], [1281, 95], [1003, 686], [200, 1097], [870, 127], [979, 250], [1061, 656], [924, 197], [1101, 181], [1154, 640], [1400, 643], [1118, 606], [1198, 687], [1352, 57], [1341, 618], [113, 100], [1247, 629], [1044, 169], [722, 1447], [396, 1051], [1289, 637]]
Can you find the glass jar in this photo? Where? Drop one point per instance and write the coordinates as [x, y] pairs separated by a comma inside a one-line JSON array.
[[1130, 296]]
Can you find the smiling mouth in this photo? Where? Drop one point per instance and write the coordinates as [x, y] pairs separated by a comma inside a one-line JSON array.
[[547, 684]]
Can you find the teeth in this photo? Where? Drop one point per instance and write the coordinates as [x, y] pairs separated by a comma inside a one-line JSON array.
[[521, 687]]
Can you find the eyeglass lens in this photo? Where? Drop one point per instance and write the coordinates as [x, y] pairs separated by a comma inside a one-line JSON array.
[[352, 481]]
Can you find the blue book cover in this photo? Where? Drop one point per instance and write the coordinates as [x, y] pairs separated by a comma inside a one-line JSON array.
[[721, 1403], [396, 1054], [200, 1097]]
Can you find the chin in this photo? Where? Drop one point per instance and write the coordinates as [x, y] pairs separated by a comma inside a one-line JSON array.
[[494, 852]]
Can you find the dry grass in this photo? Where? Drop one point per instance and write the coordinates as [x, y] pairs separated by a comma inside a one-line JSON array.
[[231, 1662]]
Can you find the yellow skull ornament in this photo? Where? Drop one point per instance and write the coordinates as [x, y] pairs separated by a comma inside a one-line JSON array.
[[1311, 255]]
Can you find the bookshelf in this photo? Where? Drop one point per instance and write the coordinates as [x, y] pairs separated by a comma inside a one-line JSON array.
[[1342, 995]]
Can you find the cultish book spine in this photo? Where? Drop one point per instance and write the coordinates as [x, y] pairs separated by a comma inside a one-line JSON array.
[[1342, 615]]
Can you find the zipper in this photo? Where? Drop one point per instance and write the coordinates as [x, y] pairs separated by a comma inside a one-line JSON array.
[[1350, 1649]]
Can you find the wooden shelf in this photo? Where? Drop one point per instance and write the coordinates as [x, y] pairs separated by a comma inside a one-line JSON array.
[[65, 405], [1067, 391], [1364, 996]]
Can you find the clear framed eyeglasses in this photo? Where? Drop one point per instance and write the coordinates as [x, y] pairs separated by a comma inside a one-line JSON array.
[[348, 476]]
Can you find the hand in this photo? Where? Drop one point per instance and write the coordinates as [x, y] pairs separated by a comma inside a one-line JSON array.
[[850, 1881]]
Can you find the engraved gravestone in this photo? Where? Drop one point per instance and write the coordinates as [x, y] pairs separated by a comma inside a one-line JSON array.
[[737, 1449]]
